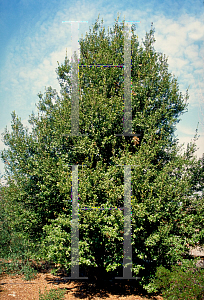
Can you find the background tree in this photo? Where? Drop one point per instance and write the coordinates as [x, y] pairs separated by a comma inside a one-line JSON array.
[[163, 187]]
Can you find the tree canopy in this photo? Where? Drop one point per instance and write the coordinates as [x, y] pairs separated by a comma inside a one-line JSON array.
[[167, 209]]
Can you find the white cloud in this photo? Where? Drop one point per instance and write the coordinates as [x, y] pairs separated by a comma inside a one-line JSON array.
[[196, 30], [179, 41], [185, 130], [177, 62], [199, 144], [186, 135], [192, 52]]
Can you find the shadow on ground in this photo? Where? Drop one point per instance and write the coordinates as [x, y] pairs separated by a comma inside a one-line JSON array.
[[101, 285]]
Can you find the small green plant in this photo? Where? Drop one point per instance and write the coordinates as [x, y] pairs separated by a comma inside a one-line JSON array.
[[53, 271], [15, 267], [181, 283], [28, 271], [52, 294], [2, 267], [12, 267]]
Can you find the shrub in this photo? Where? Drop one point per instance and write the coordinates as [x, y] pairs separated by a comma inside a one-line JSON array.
[[18, 267], [164, 208], [181, 282]]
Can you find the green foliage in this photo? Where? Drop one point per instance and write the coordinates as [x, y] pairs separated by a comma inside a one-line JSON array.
[[53, 294], [28, 271], [167, 209], [16, 267], [54, 272], [185, 282]]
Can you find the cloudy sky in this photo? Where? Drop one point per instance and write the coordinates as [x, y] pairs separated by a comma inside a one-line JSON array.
[[33, 38]]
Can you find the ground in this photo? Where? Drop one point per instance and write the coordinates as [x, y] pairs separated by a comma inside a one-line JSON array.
[[15, 287]]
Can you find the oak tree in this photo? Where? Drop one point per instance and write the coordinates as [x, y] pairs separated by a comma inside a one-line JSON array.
[[165, 183]]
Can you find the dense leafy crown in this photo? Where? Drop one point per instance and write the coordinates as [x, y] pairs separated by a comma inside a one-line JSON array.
[[164, 213]]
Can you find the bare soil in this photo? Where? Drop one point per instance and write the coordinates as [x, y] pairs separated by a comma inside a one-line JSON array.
[[15, 287]]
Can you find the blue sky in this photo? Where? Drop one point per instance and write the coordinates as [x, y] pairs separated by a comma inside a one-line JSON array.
[[33, 38]]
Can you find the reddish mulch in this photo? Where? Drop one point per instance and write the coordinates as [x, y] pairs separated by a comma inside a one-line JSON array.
[[15, 287]]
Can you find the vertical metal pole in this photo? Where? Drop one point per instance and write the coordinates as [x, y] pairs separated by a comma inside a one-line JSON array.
[[127, 125], [127, 247], [75, 226], [127, 260], [75, 132], [75, 81], [74, 77]]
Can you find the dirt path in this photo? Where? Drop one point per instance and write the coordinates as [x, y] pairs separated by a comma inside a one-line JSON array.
[[16, 288]]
